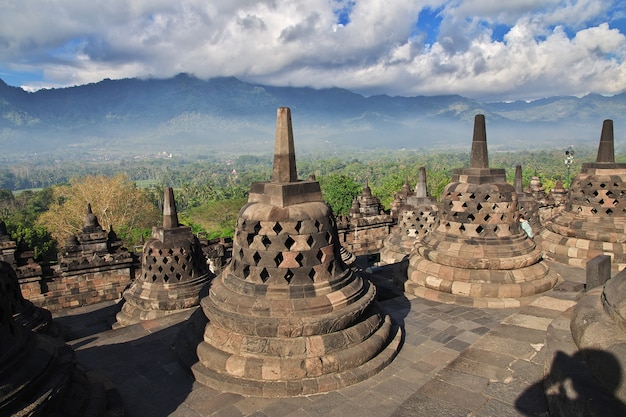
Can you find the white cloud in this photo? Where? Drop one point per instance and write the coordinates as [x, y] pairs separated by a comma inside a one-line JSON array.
[[552, 47]]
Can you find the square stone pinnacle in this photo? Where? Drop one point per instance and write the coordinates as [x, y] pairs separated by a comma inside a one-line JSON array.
[[284, 151]]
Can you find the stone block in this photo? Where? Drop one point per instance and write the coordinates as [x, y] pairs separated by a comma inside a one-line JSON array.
[[598, 271]]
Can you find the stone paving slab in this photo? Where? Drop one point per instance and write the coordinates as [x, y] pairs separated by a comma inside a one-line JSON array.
[[455, 361]]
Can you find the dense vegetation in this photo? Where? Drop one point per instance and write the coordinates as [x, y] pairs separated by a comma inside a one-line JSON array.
[[128, 194]]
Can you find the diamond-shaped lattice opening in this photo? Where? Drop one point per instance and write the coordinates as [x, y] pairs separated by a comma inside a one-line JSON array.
[[494, 207], [472, 196], [589, 184], [310, 241], [299, 258], [609, 211], [165, 260], [171, 251], [470, 217], [601, 201], [184, 267], [450, 204], [250, 238], [178, 276], [320, 255], [160, 252], [487, 197], [257, 228], [172, 268], [240, 253], [154, 278], [166, 278], [329, 237], [479, 229], [318, 225], [289, 242], [455, 214], [502, 217], [495, 229], [587, 201], [464, 205], [594, 211], [446, 225], [487, 217], [462, 228], [278, 259], [160, 269], [154, 260], [264, 275], [614, 185], [176, 259], [603, 185], [149, 267], [256, 257], [266, 241], [312, 274], [288, 276], [277, 228], [479, 207], [246, 271], [595, 193], [609, 193], [615, 203], [298, 226], [331, 266]]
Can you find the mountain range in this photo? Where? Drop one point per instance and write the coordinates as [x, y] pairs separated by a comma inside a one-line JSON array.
[[187, 115]]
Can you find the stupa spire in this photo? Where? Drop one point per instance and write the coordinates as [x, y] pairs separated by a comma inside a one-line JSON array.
[[420, 188], [284, 150], [517, 183], [606, 151], [170, 217], [479, 157]]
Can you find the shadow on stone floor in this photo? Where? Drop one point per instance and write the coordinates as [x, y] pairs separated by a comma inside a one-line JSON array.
[[145, 370], [571, 389], [78, 326]]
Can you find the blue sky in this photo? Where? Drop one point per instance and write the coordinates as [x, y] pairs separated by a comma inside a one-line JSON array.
[[484, 49]]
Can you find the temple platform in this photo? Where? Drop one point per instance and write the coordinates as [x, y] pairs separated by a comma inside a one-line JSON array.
[[455, 360]]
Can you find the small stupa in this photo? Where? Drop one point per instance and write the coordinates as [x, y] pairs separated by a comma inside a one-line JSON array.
[[594, 220], [416, 219], [173, 271], [477, 254], [286, 317]]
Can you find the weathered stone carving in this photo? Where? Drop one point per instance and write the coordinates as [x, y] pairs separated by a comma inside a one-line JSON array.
[[477, 254], [286, 317], [594, 220], [416, 219], [173, 271]]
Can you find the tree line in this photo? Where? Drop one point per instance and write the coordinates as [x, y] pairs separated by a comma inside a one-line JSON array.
[[128, 197]]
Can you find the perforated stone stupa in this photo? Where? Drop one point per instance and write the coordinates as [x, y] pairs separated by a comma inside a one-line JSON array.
[[286, 317], [416, 219], [173, 271], [477, 254], [594, 220]]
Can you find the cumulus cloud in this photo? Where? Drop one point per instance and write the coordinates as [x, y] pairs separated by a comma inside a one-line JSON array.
[[543, 48]]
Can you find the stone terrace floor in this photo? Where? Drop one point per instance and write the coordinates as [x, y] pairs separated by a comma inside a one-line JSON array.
[[455, 361]]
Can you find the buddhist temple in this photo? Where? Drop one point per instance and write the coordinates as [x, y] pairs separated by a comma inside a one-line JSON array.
[[173, 271], [477, 254], [93, 267], [286, 317], [527, 205], [416, 219], [594, 219]]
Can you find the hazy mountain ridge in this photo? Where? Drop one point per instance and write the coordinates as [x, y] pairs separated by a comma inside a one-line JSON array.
[[225, 114]]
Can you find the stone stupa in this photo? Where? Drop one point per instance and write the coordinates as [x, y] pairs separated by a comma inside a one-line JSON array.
[[416, 219], [39, 376], [286, 317], [594, 220], [477, 254], [173, 271]]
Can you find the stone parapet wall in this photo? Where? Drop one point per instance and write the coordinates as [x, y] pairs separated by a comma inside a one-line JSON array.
[[71, 291]]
